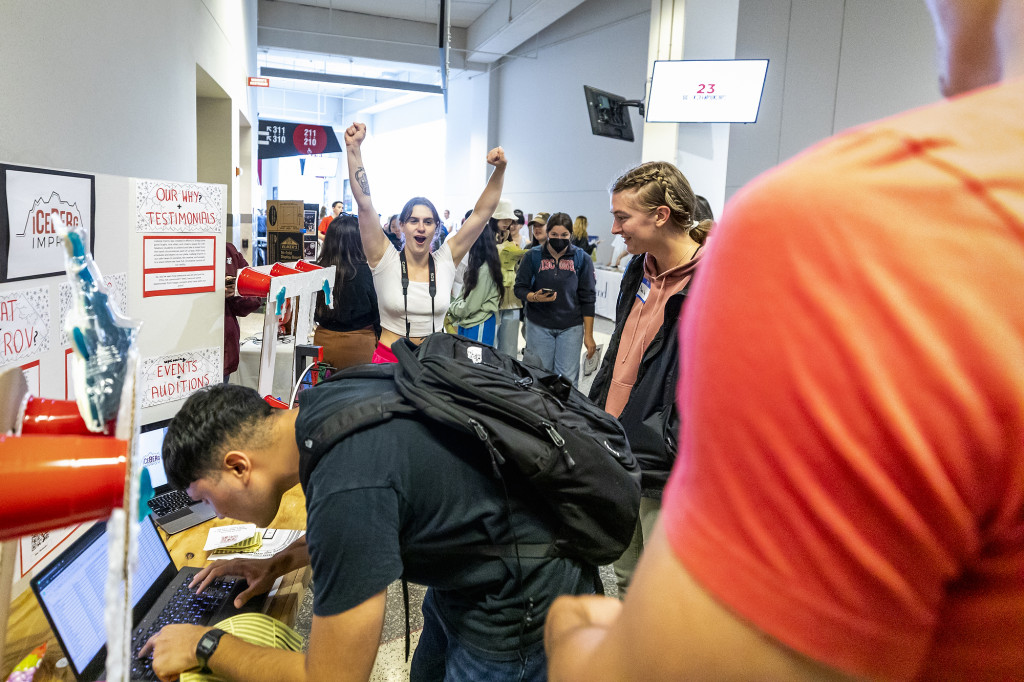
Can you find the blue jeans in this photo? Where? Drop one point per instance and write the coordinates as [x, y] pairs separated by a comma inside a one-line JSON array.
[[440, 656], [508, 332], [558, 349], [483, 332]]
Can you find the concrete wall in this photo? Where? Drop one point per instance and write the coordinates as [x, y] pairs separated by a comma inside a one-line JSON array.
[[112, 89], [539, 113], [833, 64]]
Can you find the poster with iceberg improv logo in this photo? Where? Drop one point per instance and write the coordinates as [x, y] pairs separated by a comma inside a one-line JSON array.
[[31, 200]]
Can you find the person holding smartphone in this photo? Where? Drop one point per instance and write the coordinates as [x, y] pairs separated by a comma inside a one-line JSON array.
[[556, 283]]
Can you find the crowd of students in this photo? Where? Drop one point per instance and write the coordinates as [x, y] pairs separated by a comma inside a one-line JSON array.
[[481, 280], [826, 401]]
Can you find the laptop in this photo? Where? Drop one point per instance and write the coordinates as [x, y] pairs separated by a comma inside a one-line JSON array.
[[174, 510], [70, 592]]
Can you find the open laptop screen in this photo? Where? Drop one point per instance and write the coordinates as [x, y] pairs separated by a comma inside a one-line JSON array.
[[151, 440], [70, 589]]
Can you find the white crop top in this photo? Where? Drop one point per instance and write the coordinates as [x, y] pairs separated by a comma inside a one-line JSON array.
[[387, 280]]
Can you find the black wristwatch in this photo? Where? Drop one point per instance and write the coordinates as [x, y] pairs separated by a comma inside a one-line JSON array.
[[207, 645]]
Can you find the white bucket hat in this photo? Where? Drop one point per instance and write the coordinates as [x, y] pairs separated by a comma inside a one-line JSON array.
[[504, 211]]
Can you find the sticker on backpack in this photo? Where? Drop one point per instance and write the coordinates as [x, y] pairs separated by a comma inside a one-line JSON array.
[[475, 354]]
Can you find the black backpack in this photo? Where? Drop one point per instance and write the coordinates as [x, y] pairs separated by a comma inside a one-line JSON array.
[[574, 454]]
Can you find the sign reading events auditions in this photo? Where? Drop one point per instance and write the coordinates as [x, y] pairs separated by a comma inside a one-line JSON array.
[[30, 200], [179, 375], [178, 206], [283, 138]]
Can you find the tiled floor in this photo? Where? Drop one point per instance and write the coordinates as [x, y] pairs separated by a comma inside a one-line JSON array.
[[391, 665]]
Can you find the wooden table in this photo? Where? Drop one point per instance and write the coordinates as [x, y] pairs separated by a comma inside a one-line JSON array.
[[27, 627]]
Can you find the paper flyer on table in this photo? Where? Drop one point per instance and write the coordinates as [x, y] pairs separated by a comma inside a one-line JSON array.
[[224, 536], [274, 540]]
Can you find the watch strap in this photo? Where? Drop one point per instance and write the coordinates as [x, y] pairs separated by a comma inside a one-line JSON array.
[[207, 645]]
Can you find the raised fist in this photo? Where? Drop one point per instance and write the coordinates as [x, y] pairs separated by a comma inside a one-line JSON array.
[[495, 157], [355, 134]]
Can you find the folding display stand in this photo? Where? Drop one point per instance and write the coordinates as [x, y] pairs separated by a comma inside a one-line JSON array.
[[278, 283]]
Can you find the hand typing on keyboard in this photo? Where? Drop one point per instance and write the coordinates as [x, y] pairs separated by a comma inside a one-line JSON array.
[[260, 574], [174, 625], [174, 649]]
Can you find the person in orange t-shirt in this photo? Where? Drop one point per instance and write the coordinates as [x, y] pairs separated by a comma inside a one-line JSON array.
[[325, 222], [848, 501]]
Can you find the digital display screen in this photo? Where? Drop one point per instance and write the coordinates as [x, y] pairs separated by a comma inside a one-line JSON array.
[[150, 444], [706, 91]]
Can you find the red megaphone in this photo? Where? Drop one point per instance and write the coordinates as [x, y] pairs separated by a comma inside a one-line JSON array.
[[52, 481], [280, 269], [55, 417]]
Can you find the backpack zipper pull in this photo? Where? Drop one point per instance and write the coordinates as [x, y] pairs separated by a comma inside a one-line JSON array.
[[559, 442], [496, 458], [554, 435]]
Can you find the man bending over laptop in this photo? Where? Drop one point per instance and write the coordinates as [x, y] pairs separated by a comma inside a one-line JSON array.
[[390, 500]]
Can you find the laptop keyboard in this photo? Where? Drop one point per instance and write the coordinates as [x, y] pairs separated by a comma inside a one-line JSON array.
[[169, 502], [184, 606]]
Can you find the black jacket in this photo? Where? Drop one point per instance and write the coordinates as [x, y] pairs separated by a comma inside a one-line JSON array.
[[649, 418]]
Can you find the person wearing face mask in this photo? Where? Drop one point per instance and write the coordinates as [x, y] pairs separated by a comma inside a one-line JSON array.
[[556, 283], [414, 285]]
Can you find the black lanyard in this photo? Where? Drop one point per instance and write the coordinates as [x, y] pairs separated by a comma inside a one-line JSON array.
[[432, 288]]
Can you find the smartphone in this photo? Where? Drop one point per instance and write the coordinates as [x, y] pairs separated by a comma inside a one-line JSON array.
[[547, 292]]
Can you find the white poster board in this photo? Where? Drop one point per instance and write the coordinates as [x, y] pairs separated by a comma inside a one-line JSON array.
[[179, 375]]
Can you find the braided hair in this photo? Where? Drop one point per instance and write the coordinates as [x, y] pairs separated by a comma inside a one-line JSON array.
[[659, 183]]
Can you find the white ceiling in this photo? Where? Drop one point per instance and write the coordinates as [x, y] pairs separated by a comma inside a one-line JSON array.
[[311, 45], [463, 12]]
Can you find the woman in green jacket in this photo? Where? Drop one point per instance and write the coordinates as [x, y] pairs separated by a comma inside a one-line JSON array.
[[474, 311]]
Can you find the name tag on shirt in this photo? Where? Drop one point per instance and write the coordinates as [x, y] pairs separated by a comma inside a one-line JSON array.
[[644, 290]]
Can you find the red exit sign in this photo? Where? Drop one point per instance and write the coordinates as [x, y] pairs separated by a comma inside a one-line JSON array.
[[259, 82]]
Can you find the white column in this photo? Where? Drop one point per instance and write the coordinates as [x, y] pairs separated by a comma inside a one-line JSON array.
[[666, 42], [692, 29]]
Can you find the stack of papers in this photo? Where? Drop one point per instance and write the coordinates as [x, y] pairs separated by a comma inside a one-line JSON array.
[[227, 536], [246, 541]]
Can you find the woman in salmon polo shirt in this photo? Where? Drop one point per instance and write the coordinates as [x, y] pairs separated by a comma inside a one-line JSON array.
[[657, 214]]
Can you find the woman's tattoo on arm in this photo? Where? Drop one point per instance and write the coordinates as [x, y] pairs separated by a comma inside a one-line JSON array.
[[364, 184]]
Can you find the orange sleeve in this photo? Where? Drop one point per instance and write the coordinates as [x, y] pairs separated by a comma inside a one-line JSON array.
[[807, 496]]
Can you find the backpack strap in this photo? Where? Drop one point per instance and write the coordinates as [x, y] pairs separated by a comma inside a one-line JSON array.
[[577, 259], [535, 258], [344, 422]]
